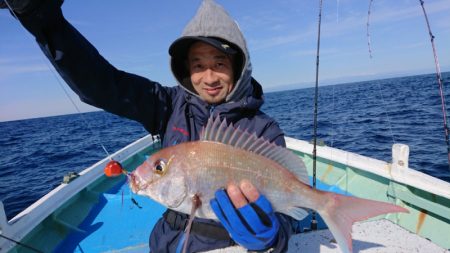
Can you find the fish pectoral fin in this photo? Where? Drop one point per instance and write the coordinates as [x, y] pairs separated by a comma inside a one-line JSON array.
[[196, 203], [296, 212]]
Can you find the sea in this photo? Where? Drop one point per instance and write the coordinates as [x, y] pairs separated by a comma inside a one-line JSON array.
[[363, 117]]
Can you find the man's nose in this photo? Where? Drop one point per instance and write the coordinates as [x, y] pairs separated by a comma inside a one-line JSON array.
[[210, 77]]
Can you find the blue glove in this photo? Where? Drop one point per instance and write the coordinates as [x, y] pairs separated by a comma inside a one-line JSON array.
[[254, 226]]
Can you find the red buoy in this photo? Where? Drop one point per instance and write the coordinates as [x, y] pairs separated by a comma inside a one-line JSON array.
[[113, 169]]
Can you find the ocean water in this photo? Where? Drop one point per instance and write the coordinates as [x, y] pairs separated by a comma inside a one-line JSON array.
[[365, 117]]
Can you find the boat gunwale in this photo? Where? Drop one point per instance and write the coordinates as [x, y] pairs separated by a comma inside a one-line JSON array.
[[23, 223], [384, 169]]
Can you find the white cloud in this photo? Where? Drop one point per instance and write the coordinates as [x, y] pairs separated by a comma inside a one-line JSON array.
[[383, 12], [278, 40], [414, 45], [31, 68], [390, 12], [21, 66]]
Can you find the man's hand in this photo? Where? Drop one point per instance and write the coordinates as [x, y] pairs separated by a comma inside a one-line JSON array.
[[247, 215]]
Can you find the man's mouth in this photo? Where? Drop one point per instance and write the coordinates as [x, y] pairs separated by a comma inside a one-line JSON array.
[[213, 91]]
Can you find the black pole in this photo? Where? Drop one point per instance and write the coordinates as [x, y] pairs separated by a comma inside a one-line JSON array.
[[316, 98]]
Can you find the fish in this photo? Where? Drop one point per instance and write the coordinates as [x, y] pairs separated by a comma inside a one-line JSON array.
[[176, 175]]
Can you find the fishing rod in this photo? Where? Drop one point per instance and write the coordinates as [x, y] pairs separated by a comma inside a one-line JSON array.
[[439, 79], [438, 71], [367, 29], [316, 97]]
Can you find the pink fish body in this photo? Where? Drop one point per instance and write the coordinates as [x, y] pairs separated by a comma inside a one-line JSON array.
[[175, 174]]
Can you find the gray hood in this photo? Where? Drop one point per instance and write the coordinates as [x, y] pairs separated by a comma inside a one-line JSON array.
[[211, 20]]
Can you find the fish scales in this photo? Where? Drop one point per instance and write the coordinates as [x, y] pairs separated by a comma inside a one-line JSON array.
[[212, 165]]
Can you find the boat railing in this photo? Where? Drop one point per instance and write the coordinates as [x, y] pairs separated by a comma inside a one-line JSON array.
[[19, 226]]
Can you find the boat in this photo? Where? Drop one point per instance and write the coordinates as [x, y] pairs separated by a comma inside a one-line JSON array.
[[89, 212]]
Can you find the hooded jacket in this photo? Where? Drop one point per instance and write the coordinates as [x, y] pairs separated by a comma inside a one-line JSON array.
[[176, 114]]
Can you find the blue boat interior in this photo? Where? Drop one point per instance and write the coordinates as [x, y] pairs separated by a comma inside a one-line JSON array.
[[121, 221]]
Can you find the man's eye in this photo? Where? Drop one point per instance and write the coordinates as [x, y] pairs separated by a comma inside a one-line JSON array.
[[197, 67], [220, 65]]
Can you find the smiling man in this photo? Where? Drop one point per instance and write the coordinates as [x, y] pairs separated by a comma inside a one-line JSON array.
[[212, 65], [211, 72]]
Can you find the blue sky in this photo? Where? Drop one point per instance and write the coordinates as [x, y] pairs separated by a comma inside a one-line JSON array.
[[281, 35]]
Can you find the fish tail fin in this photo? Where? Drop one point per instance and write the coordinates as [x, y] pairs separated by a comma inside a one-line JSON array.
[[342, 211]]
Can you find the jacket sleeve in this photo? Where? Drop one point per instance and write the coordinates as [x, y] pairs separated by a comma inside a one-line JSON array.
[[277, 135], [273, 133], [94, 79]]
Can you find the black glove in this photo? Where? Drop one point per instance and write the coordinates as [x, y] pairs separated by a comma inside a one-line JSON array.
[[39, 17], [20, 6]]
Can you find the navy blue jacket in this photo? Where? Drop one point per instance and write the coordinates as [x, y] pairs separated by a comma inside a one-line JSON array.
[[171, 112]]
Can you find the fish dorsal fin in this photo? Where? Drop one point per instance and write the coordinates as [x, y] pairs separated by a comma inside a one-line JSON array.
[[218, 131]]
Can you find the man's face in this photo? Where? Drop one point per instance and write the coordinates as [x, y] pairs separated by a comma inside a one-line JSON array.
[[211, 72]]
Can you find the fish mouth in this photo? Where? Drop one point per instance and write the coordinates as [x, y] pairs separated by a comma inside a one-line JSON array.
[[135, 183], [132, 182]]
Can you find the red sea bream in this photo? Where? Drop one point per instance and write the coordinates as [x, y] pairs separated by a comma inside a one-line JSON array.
[[175, 174]]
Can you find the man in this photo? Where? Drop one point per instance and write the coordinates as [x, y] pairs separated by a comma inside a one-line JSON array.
[[212, 66]]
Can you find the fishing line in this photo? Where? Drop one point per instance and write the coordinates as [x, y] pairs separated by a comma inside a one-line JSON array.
[[79, 112], [21, 244], [383, 102], [67, 94], [316, 96], [333, 106], [337, 11], [439, 79], [333, 110]]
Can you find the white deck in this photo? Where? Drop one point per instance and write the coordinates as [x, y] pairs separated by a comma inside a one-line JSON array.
[[368, 237]]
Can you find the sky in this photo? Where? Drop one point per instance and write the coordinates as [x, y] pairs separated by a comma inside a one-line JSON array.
[[281, 35]]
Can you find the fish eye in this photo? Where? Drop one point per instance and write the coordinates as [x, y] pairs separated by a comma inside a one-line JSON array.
[[160, 167]]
